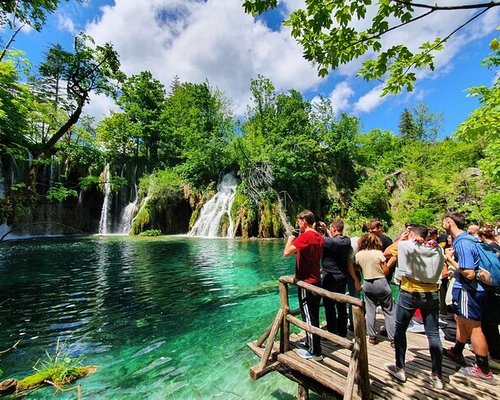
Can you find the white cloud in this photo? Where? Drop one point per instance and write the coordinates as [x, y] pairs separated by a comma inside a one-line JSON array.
[[181, 38], [65, 23], [370, 100], [100, 106], [340, 96], [216, 40]]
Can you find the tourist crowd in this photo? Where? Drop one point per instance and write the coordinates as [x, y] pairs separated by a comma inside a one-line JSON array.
[[431, 273]]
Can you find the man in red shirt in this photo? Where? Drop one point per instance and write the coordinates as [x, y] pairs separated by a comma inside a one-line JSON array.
[[308, 245]]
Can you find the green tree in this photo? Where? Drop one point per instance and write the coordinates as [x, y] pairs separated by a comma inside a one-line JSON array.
[[427, 124], [483, 124], [14, 100], [88, 69], [196, 131], [143, 98], [325, 31], [26, 12], [260, 121], [380, 150], [338, 140], [15, 14], [118, 136], [407, 127]]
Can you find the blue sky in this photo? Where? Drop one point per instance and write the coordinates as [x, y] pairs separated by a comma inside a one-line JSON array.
[[216, 40]]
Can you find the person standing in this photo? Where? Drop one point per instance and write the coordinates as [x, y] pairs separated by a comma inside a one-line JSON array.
[[337, 266], [419, 267], [375, 227], [307, 243], [468, 296], [473, 230], [376, 288]]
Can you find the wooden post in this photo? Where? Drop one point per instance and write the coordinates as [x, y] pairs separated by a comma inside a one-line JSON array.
[[285, 326], [302, 393], [364, 388], [270, 340], [264, 336], [353, 370]]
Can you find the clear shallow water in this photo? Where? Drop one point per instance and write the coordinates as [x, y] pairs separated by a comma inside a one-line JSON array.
[[161, 317]]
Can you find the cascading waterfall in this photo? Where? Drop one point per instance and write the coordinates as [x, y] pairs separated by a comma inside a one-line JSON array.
[[103, 223], [284, 219], [128, 211], [208, 223], [2, 180]]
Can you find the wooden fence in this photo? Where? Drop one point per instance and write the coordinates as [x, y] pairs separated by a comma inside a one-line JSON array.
[[321, 377]]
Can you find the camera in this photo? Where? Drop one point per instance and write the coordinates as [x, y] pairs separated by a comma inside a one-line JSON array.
[[296, 232]]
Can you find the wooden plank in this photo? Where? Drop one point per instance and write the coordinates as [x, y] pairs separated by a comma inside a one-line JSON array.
[[315, 370], [259, 351], [341, 298], [418, 382], [257, 372], [312, 384], [345, 343]]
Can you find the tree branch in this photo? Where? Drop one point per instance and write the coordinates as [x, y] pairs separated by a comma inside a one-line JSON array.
[[379, 34], [448, 8], [10, 42], [431, 10], [10, 348], [446, 38]]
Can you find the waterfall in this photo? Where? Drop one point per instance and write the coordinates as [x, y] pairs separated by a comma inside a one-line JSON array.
[[284, 219], [128, 211], [103, 223], [208, 223], [52, 171], [2, 184]]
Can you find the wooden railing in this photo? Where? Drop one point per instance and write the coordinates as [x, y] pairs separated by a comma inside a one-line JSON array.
[[355, 385]]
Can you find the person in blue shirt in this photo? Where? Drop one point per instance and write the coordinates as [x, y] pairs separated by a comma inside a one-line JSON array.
[[468, 298]]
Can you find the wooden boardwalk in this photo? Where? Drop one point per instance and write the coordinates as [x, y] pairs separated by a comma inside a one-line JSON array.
[[344, 372], [418, 367]]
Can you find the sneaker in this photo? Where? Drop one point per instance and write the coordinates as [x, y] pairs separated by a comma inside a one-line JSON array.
[[304, 353], [437, 382], [458, 358], [383, 331], [494, 365], [301, 344], [372, 340], [307, 355], [475, 372], [398, 373]]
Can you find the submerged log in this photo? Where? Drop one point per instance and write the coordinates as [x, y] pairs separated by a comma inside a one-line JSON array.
[[8, 386], [44, 378]]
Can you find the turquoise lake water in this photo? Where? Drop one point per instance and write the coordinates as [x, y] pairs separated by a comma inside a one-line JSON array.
[[162, 318]]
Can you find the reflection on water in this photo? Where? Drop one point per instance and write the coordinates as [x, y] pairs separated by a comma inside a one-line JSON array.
[[162, 317]]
